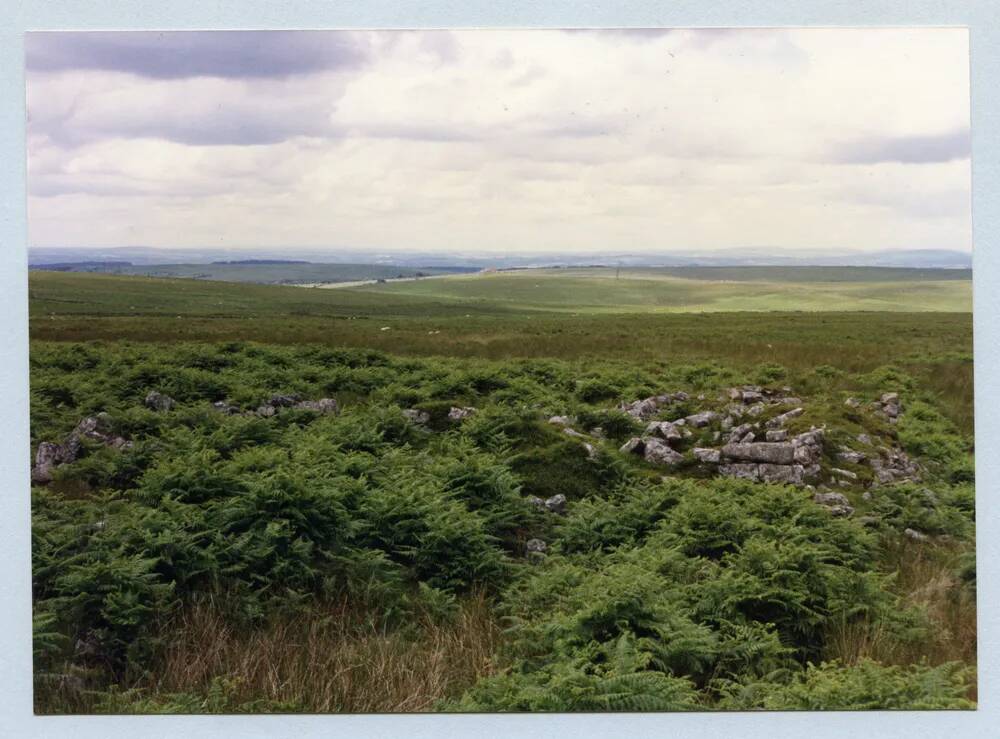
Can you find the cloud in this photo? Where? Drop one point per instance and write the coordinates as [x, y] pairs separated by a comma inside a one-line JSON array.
[[180, 54], [934, 148]]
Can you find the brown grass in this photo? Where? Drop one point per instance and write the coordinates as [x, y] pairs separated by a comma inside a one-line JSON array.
[[333, 659], [925, 578]]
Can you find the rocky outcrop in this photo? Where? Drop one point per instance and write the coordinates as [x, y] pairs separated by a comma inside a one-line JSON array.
[[50, 455], [893, 465], [646, 408], [888, 406]]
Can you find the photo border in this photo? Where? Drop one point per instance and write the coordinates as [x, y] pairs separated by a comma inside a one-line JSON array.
[[982, 17]]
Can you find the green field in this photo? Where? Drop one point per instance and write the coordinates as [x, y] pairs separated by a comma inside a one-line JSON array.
[[366, 561], [598, 290]]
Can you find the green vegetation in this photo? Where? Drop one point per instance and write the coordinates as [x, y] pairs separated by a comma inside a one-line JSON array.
[[367, 562]]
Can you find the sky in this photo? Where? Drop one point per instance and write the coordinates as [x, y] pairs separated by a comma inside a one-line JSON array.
[[509, 141]]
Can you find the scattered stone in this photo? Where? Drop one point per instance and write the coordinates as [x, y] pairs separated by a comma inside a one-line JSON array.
[[779, 421], [49, 455], [222, 406], [560, 420], [536, 546], [459, 414], [283, 401], [633, 445], [417, 416], [915, 535], [755, 410], [159, 402], [657, 451], [556, 504], [700, 420], [267, 411], [831, 499], [323, 405], [772, 453], [852, 403], [712, 456], [664, 429], [847, 474]]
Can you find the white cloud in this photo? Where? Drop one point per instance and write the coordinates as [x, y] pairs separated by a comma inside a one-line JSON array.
[[522, 140]]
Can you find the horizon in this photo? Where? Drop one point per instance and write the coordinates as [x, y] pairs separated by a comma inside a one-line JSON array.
[[473, 140]]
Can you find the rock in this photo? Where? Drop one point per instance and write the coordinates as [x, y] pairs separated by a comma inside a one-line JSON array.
[[849, 455], [460, 414], [741, 470], [700, 420], [889, 398], [283, 401], [535, 501], [847, 474], [868, 520], [790, 400], [657, 451], [323, 405], [776, 435], [831, 499], [574, 433], [864, 439], [560, 420], [158, 401], [633, 445], [642, 409], [664, 429], [46, 458], [852, 403], [780, 420], [267, 411], [597, 432], [536, 546], [727, 423], [95, 428], [417, 416], [915, 535], [755, 410], [866, 496], [748, 438], [772, 453], [222, 406], [840, 511], [591, 450], [556, 504], [792, 474], [930, 497], [739, 432], [711, 456]]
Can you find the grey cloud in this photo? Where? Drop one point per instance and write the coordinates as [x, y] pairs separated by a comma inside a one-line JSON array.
[[180, 54], [904, 149]]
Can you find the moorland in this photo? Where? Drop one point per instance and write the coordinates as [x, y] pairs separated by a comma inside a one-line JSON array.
[[543, 490]]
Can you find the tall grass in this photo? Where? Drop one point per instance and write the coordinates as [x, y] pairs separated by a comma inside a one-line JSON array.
[[333, 658]]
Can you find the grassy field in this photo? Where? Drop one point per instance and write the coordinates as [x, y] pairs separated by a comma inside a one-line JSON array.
[[362, 562], [598, 290]]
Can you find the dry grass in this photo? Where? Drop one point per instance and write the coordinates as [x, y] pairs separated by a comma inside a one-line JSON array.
[[925, 578], [332, 660]]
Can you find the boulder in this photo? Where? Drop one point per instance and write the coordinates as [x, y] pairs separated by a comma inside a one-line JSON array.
[[656, 451], [417, 416], [741, 470], [323, 405], [634, 445], [536, 546], [556, 504], [158, 401], [711, 456], [700, 420], [47, 457], [780, 420], [664, 429], [769, 452], [792, 474], [831, 499], [459, 414]]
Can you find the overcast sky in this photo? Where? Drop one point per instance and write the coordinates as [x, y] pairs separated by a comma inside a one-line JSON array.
[[512, 141]]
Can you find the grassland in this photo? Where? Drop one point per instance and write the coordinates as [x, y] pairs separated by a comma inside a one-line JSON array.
[[360, 562], [598, 290]]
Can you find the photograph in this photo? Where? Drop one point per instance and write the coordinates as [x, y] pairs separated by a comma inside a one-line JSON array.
[[500, 370]]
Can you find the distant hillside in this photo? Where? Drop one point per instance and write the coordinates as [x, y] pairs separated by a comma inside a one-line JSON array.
[[256, 271]]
